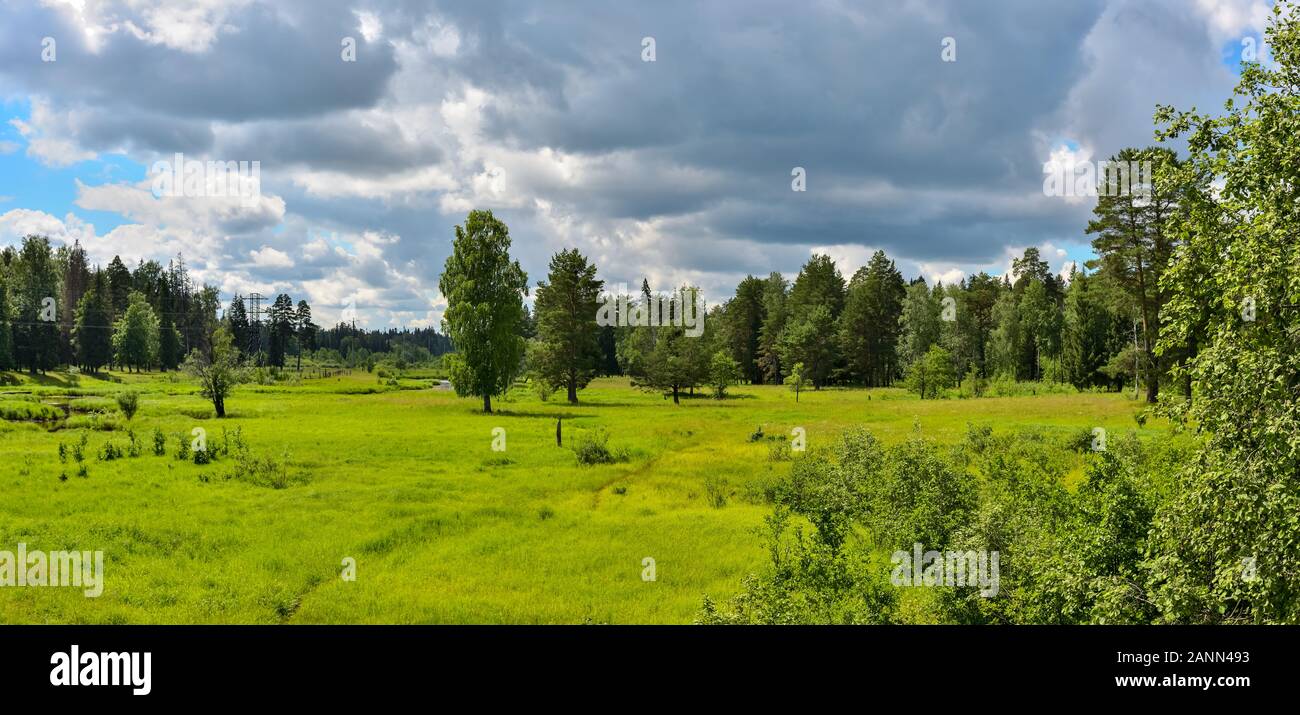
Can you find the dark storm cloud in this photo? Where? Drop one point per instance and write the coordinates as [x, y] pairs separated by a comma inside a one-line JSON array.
[[932, 161]]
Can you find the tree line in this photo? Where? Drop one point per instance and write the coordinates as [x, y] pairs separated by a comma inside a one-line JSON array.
[[1094, 328], [56, 309]]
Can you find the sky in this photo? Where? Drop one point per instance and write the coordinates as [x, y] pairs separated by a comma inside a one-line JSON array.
[[659, 138]]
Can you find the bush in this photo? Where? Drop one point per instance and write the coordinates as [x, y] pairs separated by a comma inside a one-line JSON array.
[[264, 471], [128, 402], [593, 448]]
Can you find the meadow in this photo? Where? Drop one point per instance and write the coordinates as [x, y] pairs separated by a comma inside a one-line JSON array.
[[401, 476]]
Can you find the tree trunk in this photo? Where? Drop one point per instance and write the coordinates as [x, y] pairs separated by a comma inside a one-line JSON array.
[[220, 404], [573, 392], [487, 404], [676, 401]]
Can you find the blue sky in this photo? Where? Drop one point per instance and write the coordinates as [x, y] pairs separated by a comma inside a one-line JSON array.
[[677, 170]]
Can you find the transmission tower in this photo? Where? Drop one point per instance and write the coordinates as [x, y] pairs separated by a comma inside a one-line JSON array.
[[255, 335]]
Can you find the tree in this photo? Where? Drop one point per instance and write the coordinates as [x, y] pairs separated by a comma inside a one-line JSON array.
[[931, 374], [795, 380], [1086, 330], [919, 322], [135, 335], [484, 290], [1041, 322], [36, 334], [219, 370], [743, 326], [1006, 339], [566, 322], [869, 326], [678, 361], [282, 320], [807, 340], [170, 352], [1222, 550], [723, 373], [237, 322], [76, 281], [119, 286], [1135, 245], [6, 330], [769, 335], [981, 294], [819, 284], [306, 330], [93, 334]]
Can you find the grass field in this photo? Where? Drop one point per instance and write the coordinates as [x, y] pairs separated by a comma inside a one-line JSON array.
[[405, 481]]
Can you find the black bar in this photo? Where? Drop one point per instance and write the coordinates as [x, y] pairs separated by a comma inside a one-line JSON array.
[[938, 665]]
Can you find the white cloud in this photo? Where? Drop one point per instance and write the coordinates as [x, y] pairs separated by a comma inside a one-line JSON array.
[[51, 136], [268, 257]]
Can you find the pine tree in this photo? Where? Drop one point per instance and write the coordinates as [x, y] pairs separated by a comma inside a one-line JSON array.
[[566, 322], [37, 329], [282, 319], [119, 286], [306, 330], [93, 334], [240, 330]]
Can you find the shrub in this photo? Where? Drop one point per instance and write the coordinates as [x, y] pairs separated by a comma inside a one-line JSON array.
[[159, 442], [593, 448], [109, 452], [128, 402]]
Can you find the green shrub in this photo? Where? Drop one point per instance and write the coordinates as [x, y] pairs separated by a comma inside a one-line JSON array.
[[128, 402], [593, 448]]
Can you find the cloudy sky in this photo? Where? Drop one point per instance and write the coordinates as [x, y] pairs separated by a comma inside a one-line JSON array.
[[548, 113]]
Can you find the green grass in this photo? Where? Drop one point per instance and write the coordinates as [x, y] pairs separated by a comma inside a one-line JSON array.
[[443, 529]]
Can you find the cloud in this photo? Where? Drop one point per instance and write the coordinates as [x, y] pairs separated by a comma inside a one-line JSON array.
[[677, 170], [268, 257]]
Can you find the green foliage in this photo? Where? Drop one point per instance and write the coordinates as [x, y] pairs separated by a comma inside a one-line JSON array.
[[592, 447], [484, 289], [566, 323], [723, 373], [218, 370], [135, 335], [932, 374], [868, 332], [1223, 547], [796, 379], [128, 401]]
